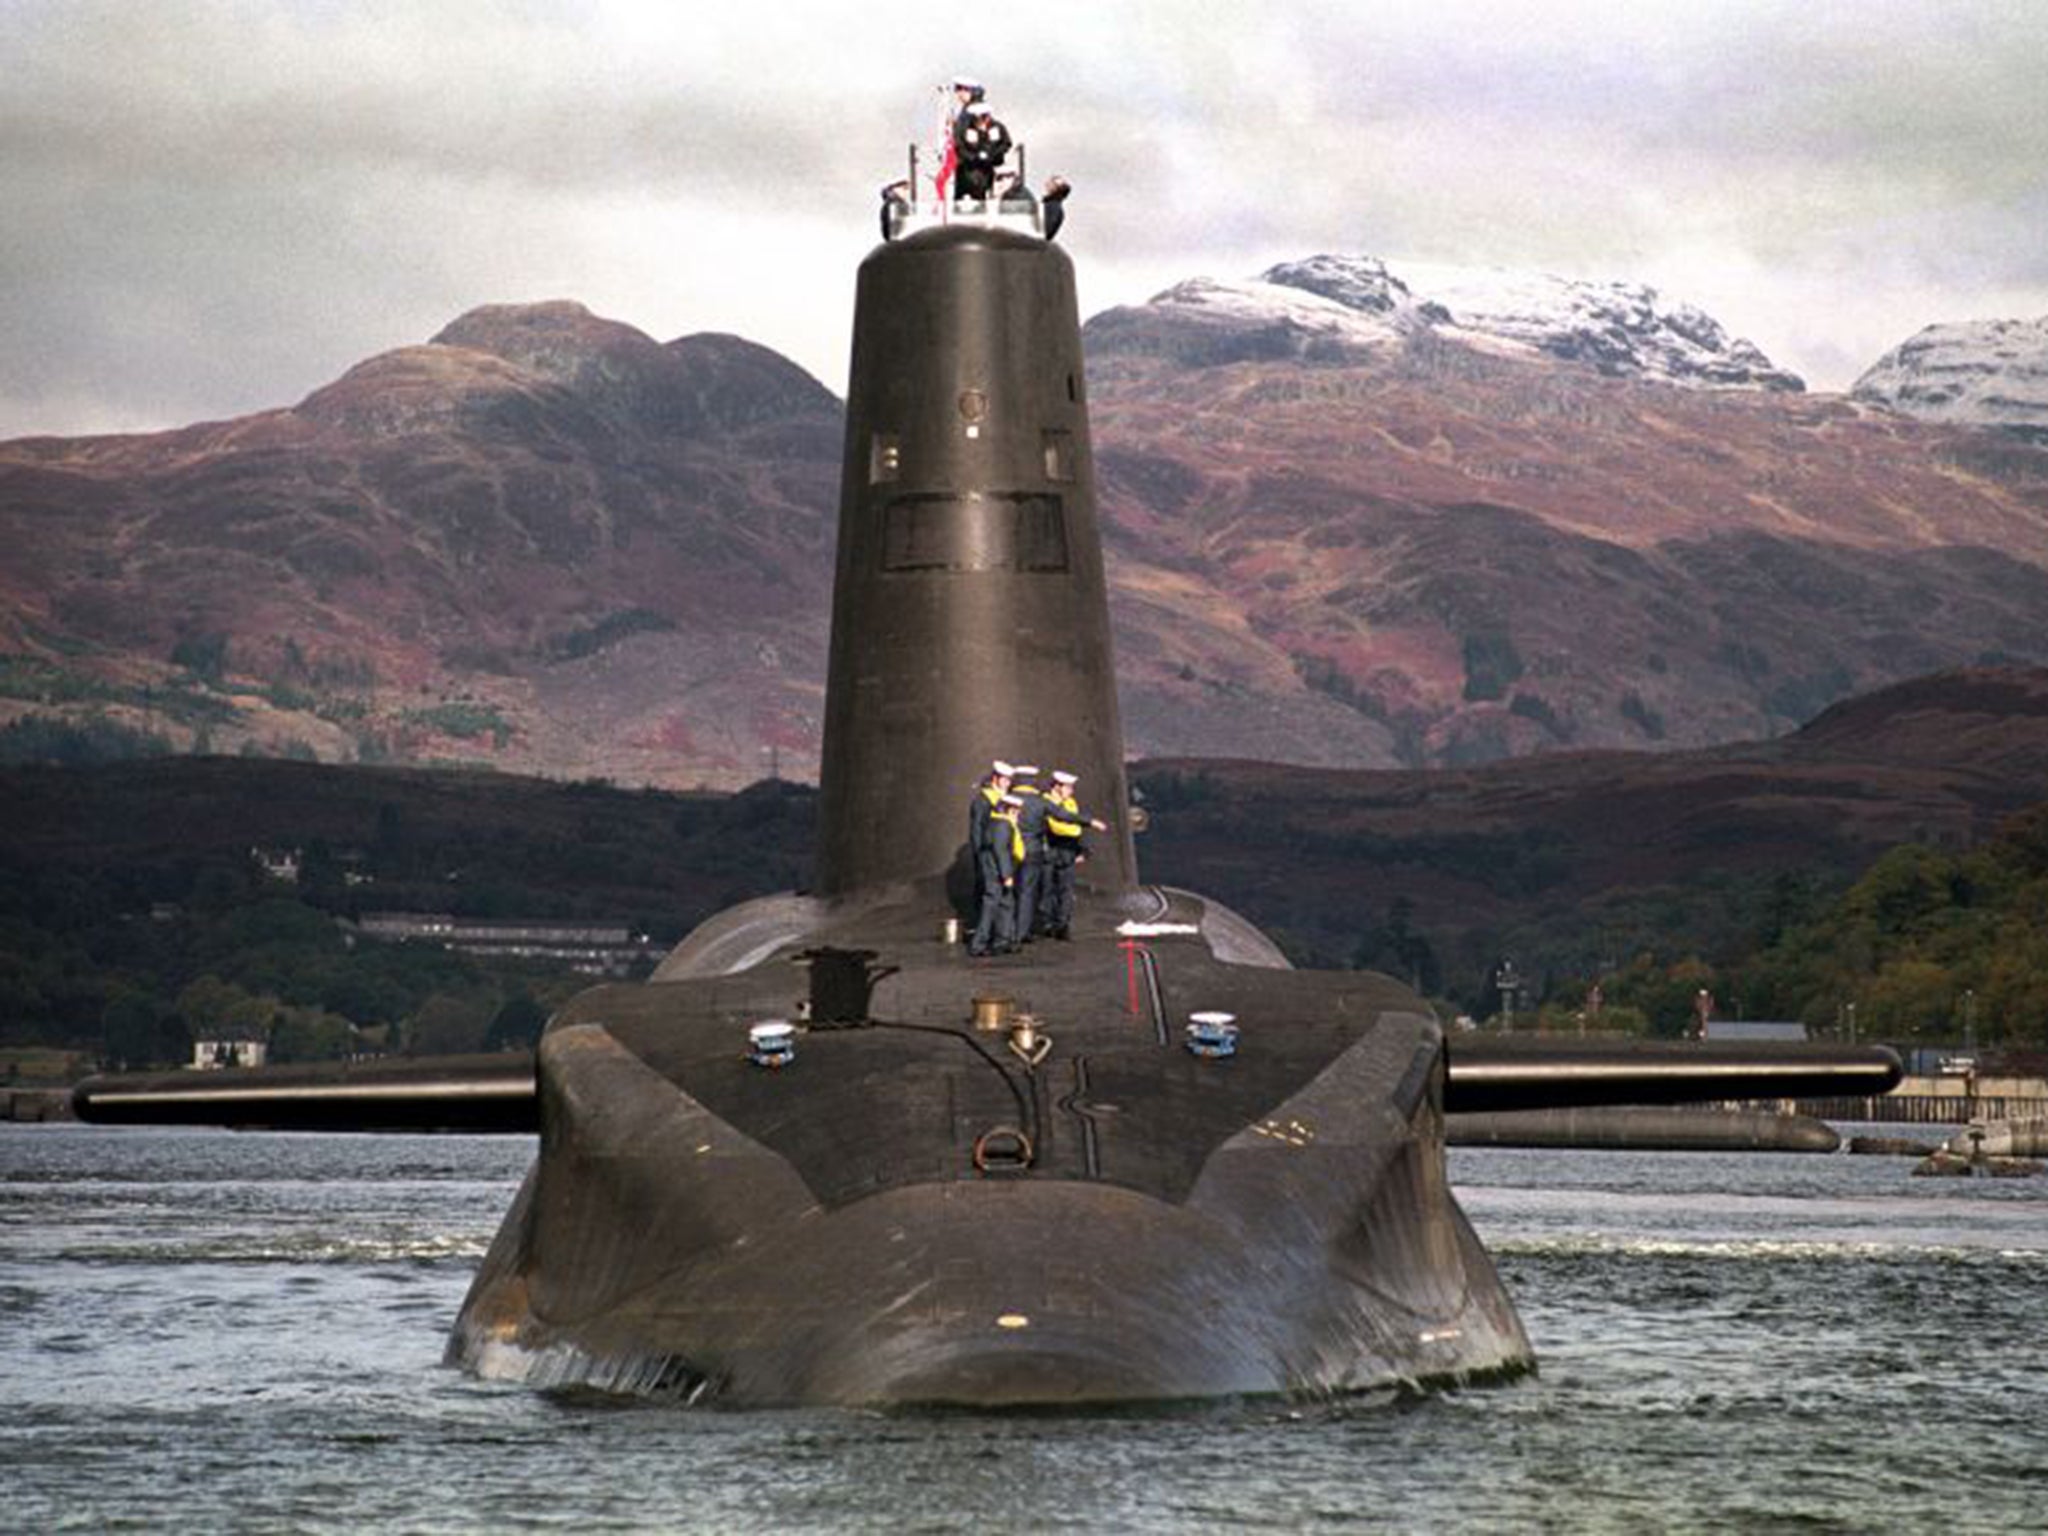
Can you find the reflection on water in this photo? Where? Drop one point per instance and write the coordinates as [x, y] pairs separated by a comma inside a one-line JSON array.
[[213, 1331]]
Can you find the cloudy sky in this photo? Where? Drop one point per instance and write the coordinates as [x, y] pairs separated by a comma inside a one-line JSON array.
[[212, 206]]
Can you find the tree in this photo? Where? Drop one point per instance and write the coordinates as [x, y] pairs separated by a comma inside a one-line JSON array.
[[1905, 889], [2013, 996], [1907, 998], [517, 1025], [128, 1031], [449, 1024], [310, 1034], [1666, 995], [219, 887], [213, 1008]]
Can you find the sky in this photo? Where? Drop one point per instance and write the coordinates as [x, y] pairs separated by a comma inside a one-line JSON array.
[[209, 207]]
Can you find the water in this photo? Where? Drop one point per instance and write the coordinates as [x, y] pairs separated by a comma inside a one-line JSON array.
[[206, 1331]]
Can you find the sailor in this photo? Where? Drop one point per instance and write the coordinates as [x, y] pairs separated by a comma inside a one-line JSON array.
[[1048, 207], [1031, 837], [895, 207], [1007, 846], [963, 93], [992, 884], [982, 143], [1065, 847], [1053, 205]]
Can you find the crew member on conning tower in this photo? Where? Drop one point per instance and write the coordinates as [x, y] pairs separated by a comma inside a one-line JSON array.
[[964, 92], [983, 144], [1052, 205]]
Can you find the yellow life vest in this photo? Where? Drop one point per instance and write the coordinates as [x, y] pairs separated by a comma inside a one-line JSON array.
[[1063, 826], [1008, 814]]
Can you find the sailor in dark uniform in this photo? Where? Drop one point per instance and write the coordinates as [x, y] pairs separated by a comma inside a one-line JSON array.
[[982, 143], [1031, 831], [965, 91], [895, 207], [1007, 845], [1053, 205], [1066, 827], [988, 844]]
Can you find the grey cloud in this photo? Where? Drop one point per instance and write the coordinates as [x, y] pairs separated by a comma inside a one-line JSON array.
[[211, 207]]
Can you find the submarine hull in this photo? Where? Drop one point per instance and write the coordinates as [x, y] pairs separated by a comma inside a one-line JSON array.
[[998, 1297], [844, 1230], [658, 1248]]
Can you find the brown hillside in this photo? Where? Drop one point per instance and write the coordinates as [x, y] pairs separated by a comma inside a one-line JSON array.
[[1432, 556], [545, 542], [1546, 846]]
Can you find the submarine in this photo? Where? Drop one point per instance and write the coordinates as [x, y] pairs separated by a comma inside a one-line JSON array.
[[825, 1156]]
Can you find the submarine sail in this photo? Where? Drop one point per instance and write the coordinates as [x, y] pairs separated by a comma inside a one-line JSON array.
[[970, 617]]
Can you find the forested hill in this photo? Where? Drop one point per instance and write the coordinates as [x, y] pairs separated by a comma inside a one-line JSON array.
[[135, 912], [125, 886]]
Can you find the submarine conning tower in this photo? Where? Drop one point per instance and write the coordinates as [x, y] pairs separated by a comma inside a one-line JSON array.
[[970, 617]]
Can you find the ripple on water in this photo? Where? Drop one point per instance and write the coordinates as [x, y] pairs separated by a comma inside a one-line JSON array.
[[1769, 1250], [1725, 1343], [426, 1250], [19, 1300]]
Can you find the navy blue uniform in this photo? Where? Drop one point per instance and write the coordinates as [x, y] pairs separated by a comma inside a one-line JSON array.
[[1031, 878], [990, 837], [1065, 842], [981, 143]]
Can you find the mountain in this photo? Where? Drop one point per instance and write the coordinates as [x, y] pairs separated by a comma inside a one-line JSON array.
[[542, 540], [1354, 517], [1330, 309], [1987, 373], [1353, 530]]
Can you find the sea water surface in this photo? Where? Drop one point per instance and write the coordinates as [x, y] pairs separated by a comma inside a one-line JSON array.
[[242, 1332]]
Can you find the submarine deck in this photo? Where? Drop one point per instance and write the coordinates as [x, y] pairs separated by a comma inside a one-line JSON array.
[[908, 1094]]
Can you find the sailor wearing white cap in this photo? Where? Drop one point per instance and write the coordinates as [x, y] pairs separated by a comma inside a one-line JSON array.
[[981, 143], [1008, 850], [1031, 836], [962, 93], [992, 882], [1065, 847]]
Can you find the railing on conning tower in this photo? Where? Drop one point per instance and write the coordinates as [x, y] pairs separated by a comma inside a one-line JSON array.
[[914, 204]]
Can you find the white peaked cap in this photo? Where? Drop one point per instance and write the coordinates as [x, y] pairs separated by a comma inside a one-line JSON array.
[[966, 83], [1003, 768], [1061, 776], [1027, 770]]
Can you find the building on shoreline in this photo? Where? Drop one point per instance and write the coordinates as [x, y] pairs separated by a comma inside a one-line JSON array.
[[593, 949]]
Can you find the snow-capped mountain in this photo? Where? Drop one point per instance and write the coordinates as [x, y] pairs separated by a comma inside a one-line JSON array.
[[1988, 373], [1330, 305]]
